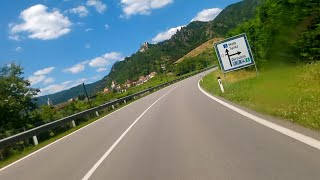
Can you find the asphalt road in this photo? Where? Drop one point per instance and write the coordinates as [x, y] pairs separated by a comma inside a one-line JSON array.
[[175, 133]]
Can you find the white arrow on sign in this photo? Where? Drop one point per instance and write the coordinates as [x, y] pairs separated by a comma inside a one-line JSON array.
[[234, 53]]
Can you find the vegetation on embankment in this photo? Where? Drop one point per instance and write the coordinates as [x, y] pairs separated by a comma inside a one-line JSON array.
[[200, 50], [284, 37], [288, 92]]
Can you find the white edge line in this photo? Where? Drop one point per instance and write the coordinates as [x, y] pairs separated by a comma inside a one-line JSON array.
[[58, 140], [295, 135], [107, 153]]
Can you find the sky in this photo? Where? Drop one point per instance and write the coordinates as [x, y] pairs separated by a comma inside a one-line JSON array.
[[63, 43]]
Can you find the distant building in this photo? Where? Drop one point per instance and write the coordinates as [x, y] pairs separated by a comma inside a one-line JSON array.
[[106, 90], [49, 102], [144, 47], [141, 80], [128, 84], [71, 100], [152, 74], [113, 85], [118, 88]]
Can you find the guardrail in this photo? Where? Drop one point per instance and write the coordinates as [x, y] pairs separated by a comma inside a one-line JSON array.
[[32, 133]]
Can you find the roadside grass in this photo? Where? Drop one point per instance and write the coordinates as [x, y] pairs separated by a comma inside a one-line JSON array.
[[288, 92]]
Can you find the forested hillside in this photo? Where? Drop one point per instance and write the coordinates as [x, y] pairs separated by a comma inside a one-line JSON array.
[[285, 39], [167, 52], [184, 41], [285, 31]]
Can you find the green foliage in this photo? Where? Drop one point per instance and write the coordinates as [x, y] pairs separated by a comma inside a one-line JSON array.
[[16, 104], [48, 113], [192, 64], [81, 97], [284, 28], [309, 42]]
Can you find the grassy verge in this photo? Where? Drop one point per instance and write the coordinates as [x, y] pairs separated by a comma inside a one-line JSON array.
[[289, 92]]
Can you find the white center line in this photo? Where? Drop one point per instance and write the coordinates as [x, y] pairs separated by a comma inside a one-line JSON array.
[[98, 163]]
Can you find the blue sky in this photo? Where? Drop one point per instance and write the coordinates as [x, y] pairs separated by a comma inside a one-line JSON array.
[[62, 43]]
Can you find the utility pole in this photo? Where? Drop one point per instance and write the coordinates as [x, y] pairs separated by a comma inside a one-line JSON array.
[[85, 90]]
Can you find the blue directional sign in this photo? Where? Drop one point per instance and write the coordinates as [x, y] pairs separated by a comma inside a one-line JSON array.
[[234, 53]]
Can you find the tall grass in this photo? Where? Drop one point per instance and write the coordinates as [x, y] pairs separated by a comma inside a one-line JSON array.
[[286, 91]]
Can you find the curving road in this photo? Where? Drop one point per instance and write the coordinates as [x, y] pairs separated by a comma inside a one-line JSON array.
[[175, 133]]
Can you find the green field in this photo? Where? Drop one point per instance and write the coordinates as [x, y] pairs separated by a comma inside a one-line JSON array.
[[288, 92]]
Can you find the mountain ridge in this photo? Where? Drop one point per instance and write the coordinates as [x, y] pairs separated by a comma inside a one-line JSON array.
[[167, 52]]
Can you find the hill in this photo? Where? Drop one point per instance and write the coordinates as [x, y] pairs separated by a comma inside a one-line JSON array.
[[184, 41], [65, 95], [197, 51], [167, 52]]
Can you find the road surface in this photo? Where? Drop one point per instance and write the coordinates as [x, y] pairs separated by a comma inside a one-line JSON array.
[[176, 133]]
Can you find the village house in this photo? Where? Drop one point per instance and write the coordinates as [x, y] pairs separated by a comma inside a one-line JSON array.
[[141, 80], [118, 88], [152, 75], [128, 84], [106, 90], [113, 85], [144, 47]]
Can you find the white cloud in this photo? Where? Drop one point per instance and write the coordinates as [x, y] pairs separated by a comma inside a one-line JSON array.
[[40, 76], [106, 26], [36, 79], [14, 37], [165, 35], [44, 71], [100, 6], [39, 23], [101, 69], [105, 60], [51, 89], [142, 7], [81, 11], [48, 81], [207, 15], [18, 49], [76, 68], [54, 88], [98, 62], [66, 82], [88, 29], [116, 56]]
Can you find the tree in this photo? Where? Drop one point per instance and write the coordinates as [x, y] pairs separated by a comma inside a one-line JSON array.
[[286, 30], [48, 113], [16, 98], [81, 97]]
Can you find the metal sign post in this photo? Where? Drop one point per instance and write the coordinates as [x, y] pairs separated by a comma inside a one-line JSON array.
[[85, 90], [234, 53]]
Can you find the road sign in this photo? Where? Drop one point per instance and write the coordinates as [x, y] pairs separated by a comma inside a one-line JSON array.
[[234, 53]]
